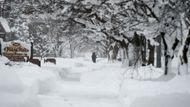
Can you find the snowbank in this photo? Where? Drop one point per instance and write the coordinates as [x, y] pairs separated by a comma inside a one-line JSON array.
[[12, 90], [9, 81], [3, 60], [37, 80], [144, 92], [27, 85], [21, 83], [163, 100]]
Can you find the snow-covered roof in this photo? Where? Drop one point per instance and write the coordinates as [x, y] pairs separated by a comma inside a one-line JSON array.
[[5, 24]]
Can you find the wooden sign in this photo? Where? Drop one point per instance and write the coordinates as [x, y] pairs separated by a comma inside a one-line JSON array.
[[16, 52]]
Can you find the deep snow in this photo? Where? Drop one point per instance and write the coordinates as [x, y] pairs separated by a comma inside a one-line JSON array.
[[80, 83]]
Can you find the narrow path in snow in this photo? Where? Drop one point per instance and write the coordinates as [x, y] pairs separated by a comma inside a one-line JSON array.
[[73, 94], [80, 86]]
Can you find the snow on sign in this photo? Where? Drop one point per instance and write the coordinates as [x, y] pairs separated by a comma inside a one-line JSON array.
[[16, 51]]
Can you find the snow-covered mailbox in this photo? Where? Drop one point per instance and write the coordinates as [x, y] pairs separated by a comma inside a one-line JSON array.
[[16, 50], [4, 28]]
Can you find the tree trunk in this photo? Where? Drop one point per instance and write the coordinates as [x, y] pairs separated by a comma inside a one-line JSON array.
[[71, 50], [115, 51], [168, 54], [165, 53], [183, 66], [132, 56], [124, 46], [124, 57], [159, 52], [151, 53], [143, 51], [60, 53], [0, 47]]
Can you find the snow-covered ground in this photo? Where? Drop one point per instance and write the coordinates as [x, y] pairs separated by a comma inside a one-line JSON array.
[[80, 83]]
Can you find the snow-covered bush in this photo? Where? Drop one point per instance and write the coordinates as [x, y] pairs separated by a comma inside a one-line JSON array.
[[143, 73]]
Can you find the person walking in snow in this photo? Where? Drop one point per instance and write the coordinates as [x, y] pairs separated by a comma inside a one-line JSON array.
[[94, 57]]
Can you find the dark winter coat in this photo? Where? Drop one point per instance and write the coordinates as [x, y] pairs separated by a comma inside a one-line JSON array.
[[94, 57]]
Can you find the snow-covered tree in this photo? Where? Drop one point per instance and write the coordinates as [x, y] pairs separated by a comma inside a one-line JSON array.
[[136, 26]]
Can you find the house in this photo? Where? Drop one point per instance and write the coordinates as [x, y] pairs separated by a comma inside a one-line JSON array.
[[4, 28]]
